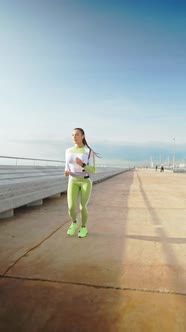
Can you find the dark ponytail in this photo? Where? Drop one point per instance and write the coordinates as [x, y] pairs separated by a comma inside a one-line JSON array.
[[85, 142]]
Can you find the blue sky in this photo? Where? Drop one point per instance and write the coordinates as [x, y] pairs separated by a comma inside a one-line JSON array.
[[115, 68]]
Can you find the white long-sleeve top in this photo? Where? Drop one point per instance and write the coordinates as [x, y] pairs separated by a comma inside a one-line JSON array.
[[87, 157]]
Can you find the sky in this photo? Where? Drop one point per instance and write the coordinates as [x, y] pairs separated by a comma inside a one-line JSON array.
[[116, 68]]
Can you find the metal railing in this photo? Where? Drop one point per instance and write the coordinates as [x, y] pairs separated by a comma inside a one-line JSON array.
[[31, 159], [43, 163]]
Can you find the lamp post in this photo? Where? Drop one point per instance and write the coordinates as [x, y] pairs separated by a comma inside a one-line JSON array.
[[174, 153]]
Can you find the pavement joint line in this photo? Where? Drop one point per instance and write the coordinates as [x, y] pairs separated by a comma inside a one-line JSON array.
[[33, 248], [93, 286]]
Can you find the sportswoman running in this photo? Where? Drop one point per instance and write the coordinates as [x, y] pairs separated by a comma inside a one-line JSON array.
[[80, 164]]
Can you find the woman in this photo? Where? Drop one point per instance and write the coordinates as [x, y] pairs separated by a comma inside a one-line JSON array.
[[80, 164]]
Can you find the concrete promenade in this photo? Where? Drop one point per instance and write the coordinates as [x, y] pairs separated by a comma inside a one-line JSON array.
[[129, 274]]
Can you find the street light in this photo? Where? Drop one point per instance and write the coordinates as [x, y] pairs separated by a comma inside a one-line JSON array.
[[174, 153]]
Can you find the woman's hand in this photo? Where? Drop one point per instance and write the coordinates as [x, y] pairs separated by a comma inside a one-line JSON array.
[[79, 162], [66, 173]]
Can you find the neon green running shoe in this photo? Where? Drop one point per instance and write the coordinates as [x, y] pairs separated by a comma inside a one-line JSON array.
[[72, 228], [82, 232]]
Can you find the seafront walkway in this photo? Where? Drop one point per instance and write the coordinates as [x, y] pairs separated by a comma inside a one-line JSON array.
[[128, 274]]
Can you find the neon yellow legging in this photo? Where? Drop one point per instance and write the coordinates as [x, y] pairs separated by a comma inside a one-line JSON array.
[[83, 187]]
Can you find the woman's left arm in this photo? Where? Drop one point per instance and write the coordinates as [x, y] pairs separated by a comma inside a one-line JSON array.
[[90, 168]]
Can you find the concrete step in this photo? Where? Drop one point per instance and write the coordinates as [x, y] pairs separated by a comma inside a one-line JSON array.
[[30, 185]]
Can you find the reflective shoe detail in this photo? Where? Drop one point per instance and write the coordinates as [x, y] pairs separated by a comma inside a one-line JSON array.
[[72, 228], [82, 232]]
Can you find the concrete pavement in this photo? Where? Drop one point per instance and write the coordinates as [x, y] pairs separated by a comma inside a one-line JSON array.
[[129, 274]]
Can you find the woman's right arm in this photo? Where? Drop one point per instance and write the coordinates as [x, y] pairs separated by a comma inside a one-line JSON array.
[[67, 169]]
